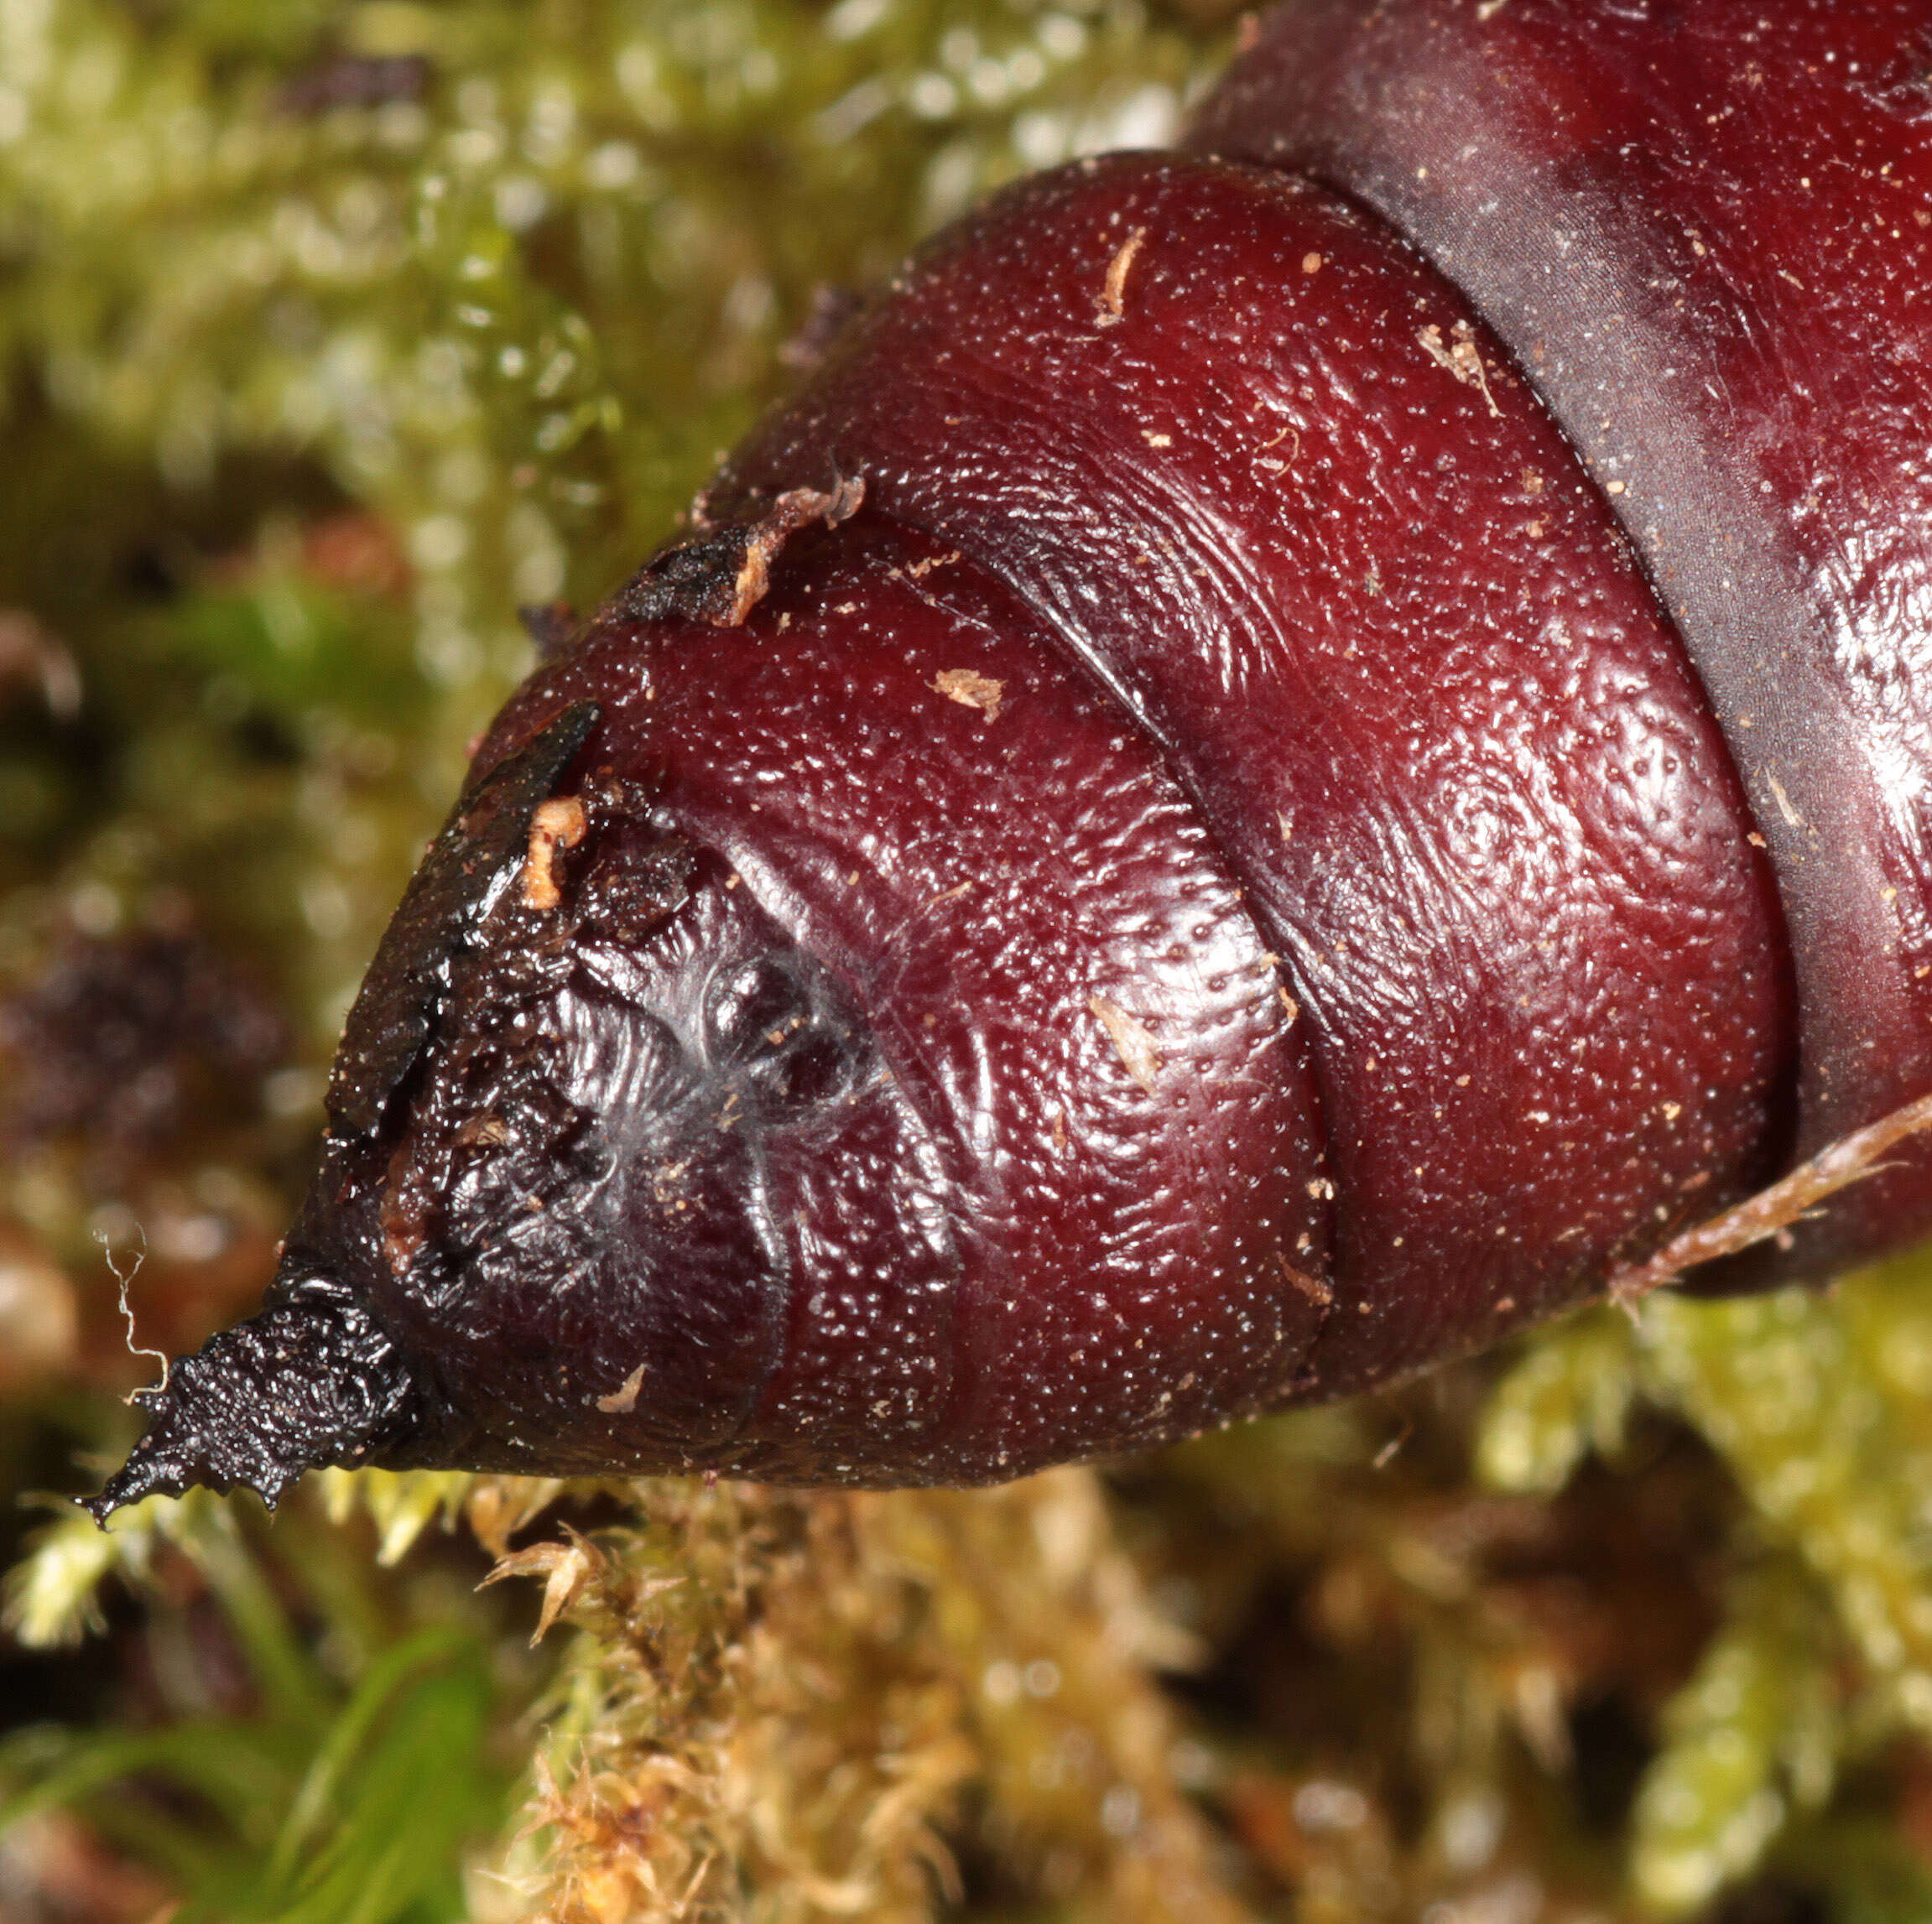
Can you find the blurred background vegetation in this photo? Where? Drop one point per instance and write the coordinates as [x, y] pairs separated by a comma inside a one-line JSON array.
[[332, 333]]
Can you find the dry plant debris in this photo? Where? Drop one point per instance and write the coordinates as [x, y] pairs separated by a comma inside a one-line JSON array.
[[787, 1706]]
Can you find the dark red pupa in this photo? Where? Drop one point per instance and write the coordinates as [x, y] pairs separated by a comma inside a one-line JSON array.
[[1295, 752]]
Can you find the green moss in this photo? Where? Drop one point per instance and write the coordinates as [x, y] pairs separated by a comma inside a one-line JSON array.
[[1817, 1405], [338, 1759]]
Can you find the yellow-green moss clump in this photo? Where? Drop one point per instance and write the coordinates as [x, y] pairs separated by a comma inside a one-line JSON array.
[[333, 333]]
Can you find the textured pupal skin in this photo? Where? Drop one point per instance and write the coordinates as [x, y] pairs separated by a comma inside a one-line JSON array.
[[829, 1246], [1390, 641], [1702, 230], [1361, 765]]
